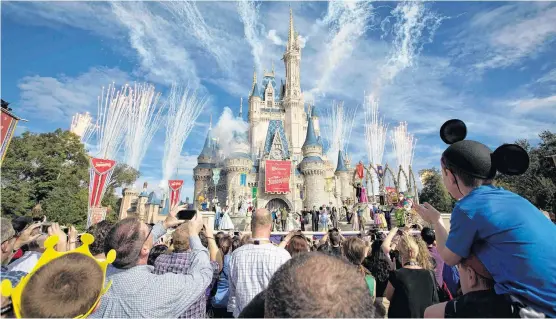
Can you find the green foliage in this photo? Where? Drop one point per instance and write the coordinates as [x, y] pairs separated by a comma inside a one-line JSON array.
[[434, 192], [52, 169], [538, 184]]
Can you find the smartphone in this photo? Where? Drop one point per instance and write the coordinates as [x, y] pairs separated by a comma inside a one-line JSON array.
[[186, 214], [44, 227], [236, 233], [66, 230]]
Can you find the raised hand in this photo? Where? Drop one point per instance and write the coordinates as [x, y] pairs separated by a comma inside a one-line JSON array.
[[26, 236], [428, 213], [171, 220], [55, 230]]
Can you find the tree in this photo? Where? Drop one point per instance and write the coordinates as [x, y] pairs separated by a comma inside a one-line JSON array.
[[52, 169], [434, 192], [538, 184]]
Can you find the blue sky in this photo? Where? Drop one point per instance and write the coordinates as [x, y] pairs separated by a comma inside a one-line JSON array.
[[490, 64]]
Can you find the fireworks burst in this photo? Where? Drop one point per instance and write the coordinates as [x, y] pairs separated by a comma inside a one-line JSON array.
[[82, 126], [144, 119], [403, 144], [375, 136], [340, 120], [184, 107], [113, 112]]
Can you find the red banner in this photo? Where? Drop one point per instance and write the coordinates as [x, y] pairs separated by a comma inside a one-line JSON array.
[[100, 173], [277, 177], [9, 121], [175, 188]]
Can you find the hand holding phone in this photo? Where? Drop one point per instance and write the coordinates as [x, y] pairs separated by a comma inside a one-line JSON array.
[[186, 214]]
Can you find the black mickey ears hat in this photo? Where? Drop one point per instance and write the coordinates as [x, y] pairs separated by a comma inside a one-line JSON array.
[[476, 159]]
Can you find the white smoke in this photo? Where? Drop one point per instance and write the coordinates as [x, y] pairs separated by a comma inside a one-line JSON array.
[[187, 15], [227, 127], [414, 26], [272, 36], [348, 22], [248, 12]]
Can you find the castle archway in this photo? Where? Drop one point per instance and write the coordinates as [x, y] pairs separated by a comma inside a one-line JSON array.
[[278, 203]]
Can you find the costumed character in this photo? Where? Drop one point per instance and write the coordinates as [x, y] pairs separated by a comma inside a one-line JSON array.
[[348, 215], [355, 219], [358, 192], [363, 195], [17, 293], [274, 219], [226, 223], [283, 217], [217, 217], [380, 220], [242, 206], [334, 217], [324, 219], [293, 223], [315, 219], [202, 200]]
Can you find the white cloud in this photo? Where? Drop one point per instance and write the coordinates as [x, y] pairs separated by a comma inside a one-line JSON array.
[[549, 77], [545, 104], [58, 99], [507, 35], [272, 36]]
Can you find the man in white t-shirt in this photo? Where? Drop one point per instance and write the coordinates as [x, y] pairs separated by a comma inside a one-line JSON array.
[[252, 265]]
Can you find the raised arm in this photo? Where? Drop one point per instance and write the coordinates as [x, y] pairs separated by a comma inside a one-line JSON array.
[[388, 241]]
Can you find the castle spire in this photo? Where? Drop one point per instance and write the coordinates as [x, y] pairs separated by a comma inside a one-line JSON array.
[[241, 107], [291, 34]]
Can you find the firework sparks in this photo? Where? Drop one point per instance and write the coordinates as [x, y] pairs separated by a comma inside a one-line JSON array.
[[403, 144], [144, 119], [82, 126], [184, 107], [340, 120], [113, 112], [375, 136]]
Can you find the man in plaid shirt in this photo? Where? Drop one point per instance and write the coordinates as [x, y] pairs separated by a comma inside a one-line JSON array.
[[136, 290], [252, 265], [179, 262]]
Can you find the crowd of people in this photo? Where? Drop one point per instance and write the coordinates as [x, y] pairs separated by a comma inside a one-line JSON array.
[[497, 260]]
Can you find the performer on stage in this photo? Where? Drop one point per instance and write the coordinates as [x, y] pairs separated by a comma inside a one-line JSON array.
[[334, 217], [217, 217], [324, 219], [226, 223], [293, 223], [315, 219]]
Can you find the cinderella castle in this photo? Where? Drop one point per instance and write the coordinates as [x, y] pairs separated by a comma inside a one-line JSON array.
[[279, 162]]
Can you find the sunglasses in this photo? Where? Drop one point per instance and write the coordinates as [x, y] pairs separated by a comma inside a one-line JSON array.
[[149, 233]]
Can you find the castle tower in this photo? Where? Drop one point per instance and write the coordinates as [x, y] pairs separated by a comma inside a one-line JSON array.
[[343, 187], [254, 113], [129, 196], [293, 98], [141, 209], [313, 169], [202, 173]]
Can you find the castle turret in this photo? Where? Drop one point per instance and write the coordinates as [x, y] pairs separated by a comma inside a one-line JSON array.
[[343, 187], [203, 171], [313, 169], [315, 117], [129, 196]]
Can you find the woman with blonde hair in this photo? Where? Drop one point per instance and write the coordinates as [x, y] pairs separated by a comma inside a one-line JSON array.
[[355, 250], [412, 288]]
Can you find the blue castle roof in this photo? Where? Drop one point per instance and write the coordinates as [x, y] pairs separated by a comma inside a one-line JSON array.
[[153, 199], [341, 167], [166, 208], [309, 159], [314, 112], [207, 148], [276, 127], [256, 91], [272, 81], [311, 138]]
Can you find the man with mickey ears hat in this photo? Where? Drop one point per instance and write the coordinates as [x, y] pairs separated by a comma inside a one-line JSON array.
[[509, 235]]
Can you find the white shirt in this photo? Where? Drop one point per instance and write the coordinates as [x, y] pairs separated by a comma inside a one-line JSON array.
[[251, 267], [26, 263]]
